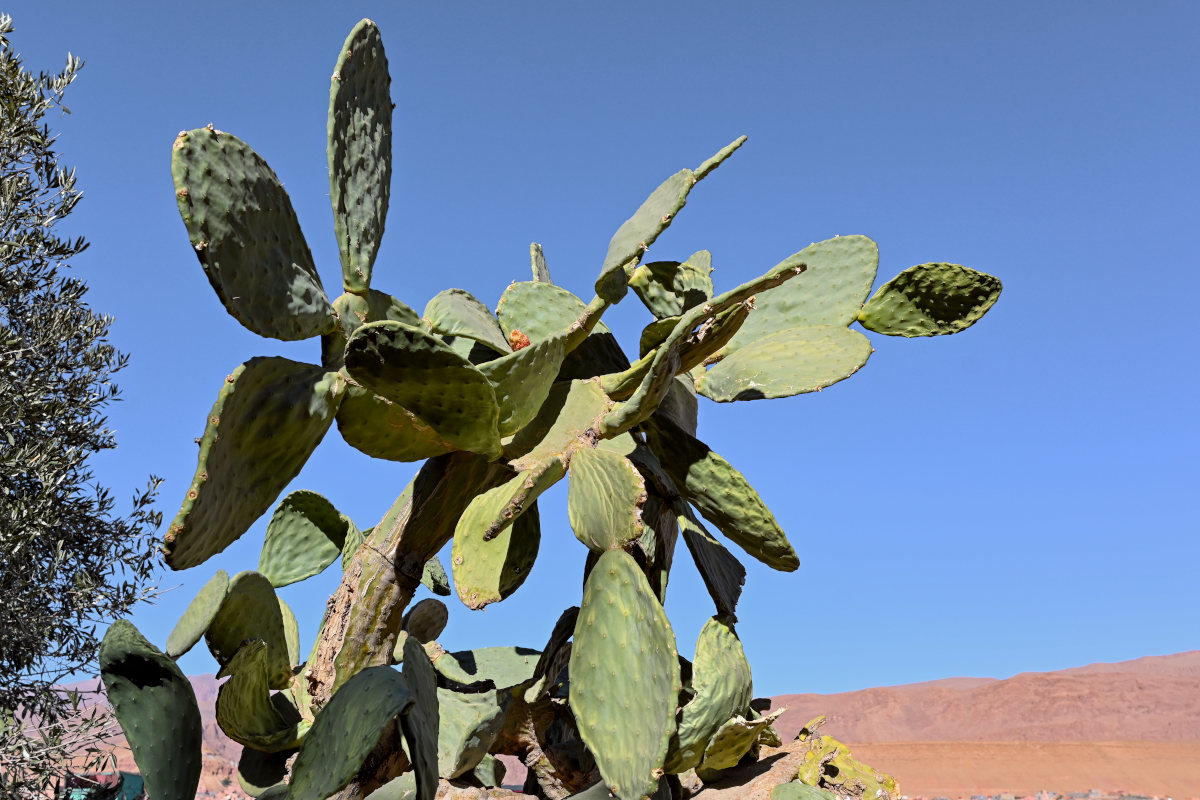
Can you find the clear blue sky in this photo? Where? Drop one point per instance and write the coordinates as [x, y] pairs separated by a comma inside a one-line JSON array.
[[1012, 498]]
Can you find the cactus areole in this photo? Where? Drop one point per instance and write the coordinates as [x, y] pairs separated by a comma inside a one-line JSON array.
[[499, 406]]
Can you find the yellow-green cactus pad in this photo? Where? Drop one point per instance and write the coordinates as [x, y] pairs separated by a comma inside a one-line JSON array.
[[270, 415], [455, 312], [722, 687], [291, 632], [624, 676], [486, 568], [721, 494], [523, 379], [505, 667], [360, 151], [247, 237], [198, 615], [346, 731], [930, 300], [537, 262], [719, 157], [723, 575], [541, 310], [605, 499], [638, 232], [382, 429], [247, 711], [356, 310], [305, 535], [570, 413], [420, 725], [831, 291], [733, 740], [795, 790], [251, 611], [418, 371], [157, 710], [469, 724], [668, 288], [787, 363]]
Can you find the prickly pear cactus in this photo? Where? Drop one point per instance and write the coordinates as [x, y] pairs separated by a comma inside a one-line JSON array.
[[500, 406]]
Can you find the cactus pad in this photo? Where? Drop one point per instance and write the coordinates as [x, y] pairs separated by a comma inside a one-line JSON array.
[[719, 157], [434, 578], [421, 373], [469, 724], [426, 620], [198, 615], [346, 731], [668, 288], [638, 232], [830, 292], [523, 379], [268, 418], [537, 262], [378, 427], [624, 676], [157, 710], [305, 535], [247, 711], [721, 494], [722, 573], [291, 632], [360, 151], [787, 363], [455, 312], [733, 740], [541, 310], [489, 569], [722, 688], [605, 499], [796, 790], [247, 237], [251, 611], [930, 300], [505, 667], [420, 725], [356, 310], [259, 771], [571, 412]]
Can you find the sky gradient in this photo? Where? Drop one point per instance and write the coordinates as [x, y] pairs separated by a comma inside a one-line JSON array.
[[1009, 499]]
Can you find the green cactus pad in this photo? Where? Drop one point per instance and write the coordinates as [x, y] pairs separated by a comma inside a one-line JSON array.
[[655, 334], [930, 300], [434, 578], [378, 427], [469, 724], [624, 676], [505, 667], [346, 731], [668, 288], [541, 310], [354, 538], [597, 791], [830, 292], [733, 740], [721, 494], [523, 379], [680, 404], [489, 569], [796, 790], [605, 499], [291, 632], [454, 312], [259, 771], [554, 657], [638, 232], [719, 157], [246, 710], [787, 363], [157, 710], [356, 310], [490, 771], [722, 687], [305, 535], [198, 615], [251, 611], [402, 788], [360, 151], [537, 261], [246, 235], [723, 575], [426, 620], [571, 411], [421, 373], [270, 415], [420, 725]]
